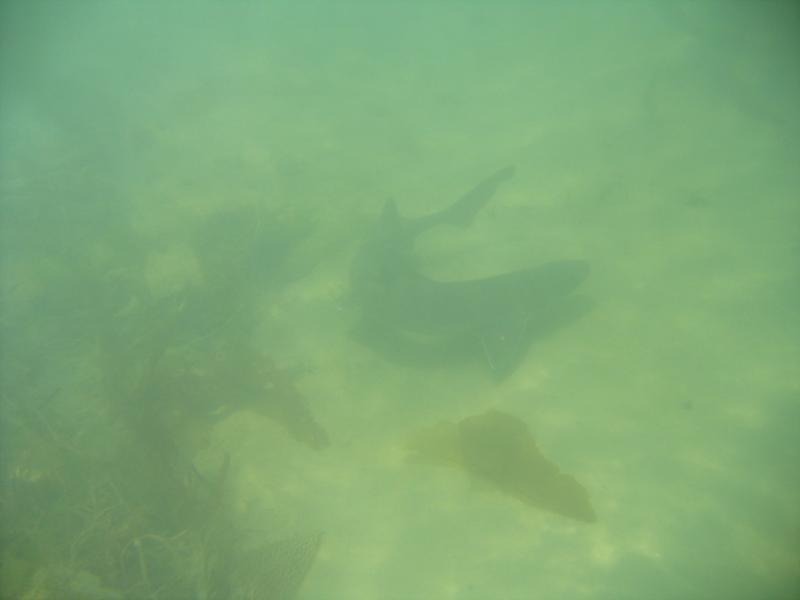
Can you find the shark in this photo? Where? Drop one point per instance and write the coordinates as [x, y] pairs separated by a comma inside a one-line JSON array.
[[412, 318]]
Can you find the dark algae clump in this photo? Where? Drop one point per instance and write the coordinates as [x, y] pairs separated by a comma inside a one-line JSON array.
[[499, 449]]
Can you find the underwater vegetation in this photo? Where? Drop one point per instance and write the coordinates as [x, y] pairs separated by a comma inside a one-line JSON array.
[[134, 519], [107, 485], [102, 494], [234, 377], [499, 449]]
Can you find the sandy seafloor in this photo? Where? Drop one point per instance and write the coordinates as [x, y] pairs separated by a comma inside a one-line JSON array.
[[660, 146]]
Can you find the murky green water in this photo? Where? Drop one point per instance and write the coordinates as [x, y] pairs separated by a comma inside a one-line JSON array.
[[189, 405]]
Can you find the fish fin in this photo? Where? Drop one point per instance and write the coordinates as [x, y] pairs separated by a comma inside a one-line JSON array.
[[463, 212]]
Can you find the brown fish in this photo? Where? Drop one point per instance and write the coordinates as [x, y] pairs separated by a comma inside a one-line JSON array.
[[498, 448]]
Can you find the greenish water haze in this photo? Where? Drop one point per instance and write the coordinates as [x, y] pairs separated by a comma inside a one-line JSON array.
[[185, 411]]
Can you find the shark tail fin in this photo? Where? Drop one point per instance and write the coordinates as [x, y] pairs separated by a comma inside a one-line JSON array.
[[463, 212]]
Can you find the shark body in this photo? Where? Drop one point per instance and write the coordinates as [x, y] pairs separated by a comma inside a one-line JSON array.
[[413, 318]]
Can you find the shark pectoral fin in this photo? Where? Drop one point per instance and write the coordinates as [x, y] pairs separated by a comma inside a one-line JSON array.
[[504, 346]]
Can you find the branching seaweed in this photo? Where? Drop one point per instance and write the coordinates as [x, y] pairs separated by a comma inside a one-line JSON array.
[[118, 510]]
